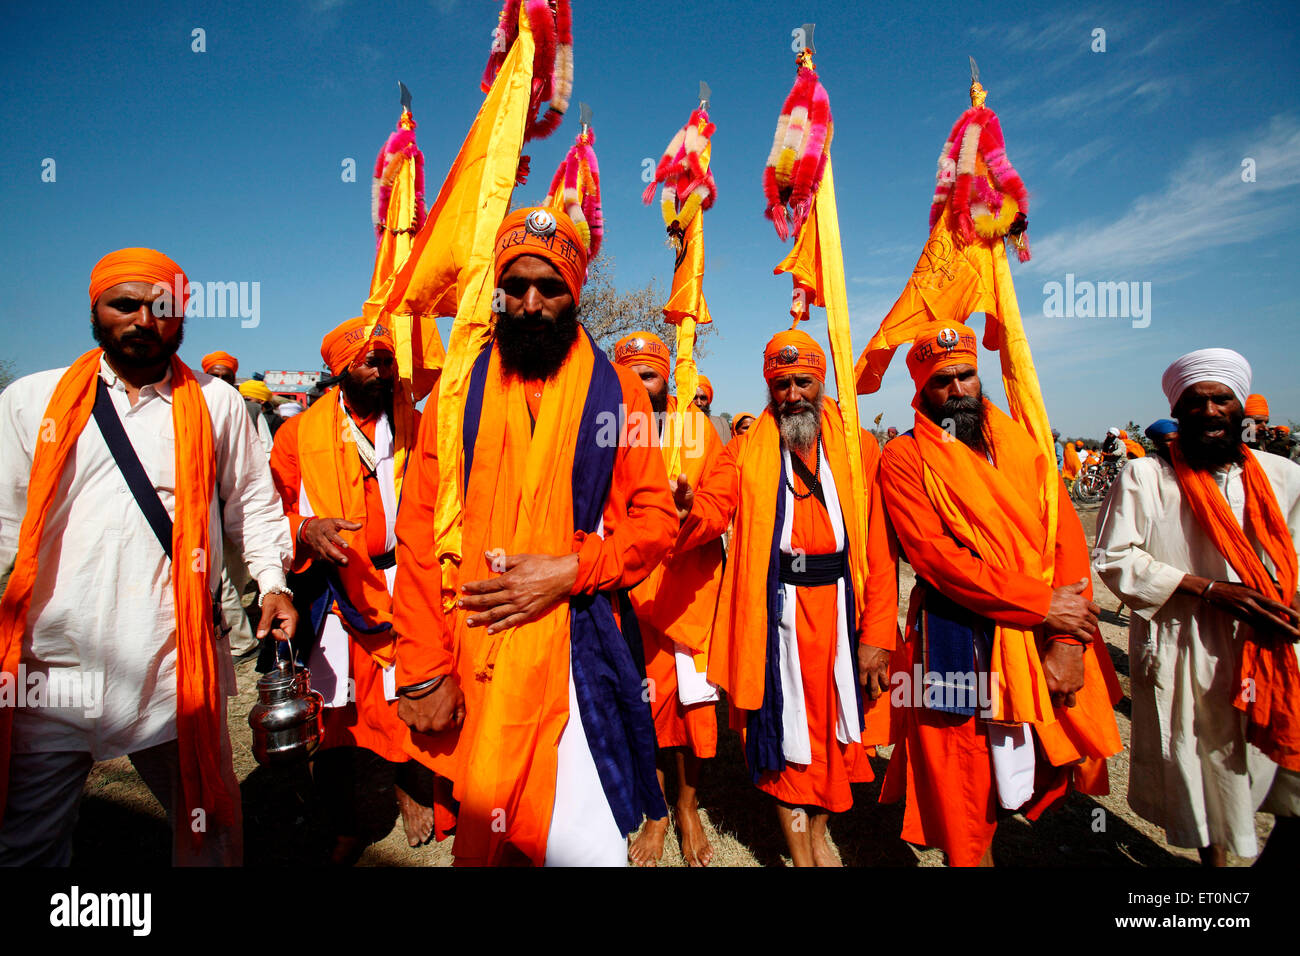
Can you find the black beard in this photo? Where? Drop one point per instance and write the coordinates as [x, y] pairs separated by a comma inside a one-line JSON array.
[[535, 354], [706, 409], [659, 403], [137, 347], [962, 417], [366, 400], [800, 423], [1208, 454]]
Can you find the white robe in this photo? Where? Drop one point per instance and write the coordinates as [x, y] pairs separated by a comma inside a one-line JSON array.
[[1192, 771]]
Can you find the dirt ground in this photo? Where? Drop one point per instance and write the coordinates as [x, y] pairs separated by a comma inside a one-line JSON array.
[[120, 820]]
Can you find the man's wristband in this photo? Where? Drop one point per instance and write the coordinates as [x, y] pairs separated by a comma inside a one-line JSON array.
[[422, 689], [1206, 590], [303, 527]]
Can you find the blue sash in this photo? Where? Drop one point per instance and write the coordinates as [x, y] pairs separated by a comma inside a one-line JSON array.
[[616, 718]]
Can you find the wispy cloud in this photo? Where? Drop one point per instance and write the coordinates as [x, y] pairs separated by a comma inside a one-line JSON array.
[[1204, 205], [1071, 162]]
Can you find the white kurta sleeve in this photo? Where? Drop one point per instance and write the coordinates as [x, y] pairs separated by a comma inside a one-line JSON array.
[[1123, 527]]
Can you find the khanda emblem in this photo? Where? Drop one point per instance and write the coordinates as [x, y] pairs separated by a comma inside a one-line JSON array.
[[788, 355], [947, 339], [934, 266], [540, 222]]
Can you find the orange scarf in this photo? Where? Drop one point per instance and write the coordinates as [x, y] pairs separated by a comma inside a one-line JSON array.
[[684, 610], [332, 478], [737, 660], [1002, 516], [516, 682], [1270, 670], [199, 701], [1071, 462]]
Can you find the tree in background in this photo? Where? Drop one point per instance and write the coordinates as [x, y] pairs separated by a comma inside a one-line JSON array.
[[6, 374], [610, 314]]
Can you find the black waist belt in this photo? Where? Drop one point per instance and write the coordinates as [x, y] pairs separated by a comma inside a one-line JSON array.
[[383, 562], [811, 570]]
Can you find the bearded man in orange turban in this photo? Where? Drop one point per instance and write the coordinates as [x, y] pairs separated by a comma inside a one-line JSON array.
[[807, 613], [1004, 688], [124, 629], [674, 610], [566, 506], [340, 468]]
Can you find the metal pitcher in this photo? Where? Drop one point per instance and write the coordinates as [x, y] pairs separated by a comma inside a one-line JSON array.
[[286, 720]]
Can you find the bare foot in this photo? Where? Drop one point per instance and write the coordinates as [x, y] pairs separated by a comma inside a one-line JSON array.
[[696, 849], [417, 819], [823, 853], [648, 847]]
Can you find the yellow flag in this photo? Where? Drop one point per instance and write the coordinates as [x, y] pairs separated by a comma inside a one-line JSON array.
[[952, 280], [417, 365]]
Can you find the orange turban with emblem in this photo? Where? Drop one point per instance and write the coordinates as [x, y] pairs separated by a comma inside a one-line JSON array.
[[549, 235], [704, 383], [348, 342], [791, 352], [213, 359], [1257, 407], [138, 265], [642, 348], [939, 345]]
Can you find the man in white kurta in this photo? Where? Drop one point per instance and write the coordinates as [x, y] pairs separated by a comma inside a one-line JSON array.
[[1192, 770]]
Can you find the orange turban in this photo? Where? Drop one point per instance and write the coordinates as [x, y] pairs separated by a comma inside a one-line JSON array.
[[793, 351], [740, 420], [348, 342], [1257, 407], [139, 265], [213, 359], [705, 384], [642, 348], [939, 345], [548, 235]]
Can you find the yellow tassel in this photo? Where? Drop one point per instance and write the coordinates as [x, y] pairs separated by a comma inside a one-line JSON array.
[[991, 227]]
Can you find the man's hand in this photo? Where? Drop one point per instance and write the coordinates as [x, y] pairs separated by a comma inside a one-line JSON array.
[[1071, 613], [436, 711], [1266, 616], [279, 619], [1063, 668], [873, 669], [321, 535], [531, 585], [683, 496]]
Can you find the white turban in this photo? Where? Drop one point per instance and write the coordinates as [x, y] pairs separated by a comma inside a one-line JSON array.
[[1207, 365], [288, 409]]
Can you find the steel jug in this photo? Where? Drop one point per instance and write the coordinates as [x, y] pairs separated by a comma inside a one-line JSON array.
[[286, 720]]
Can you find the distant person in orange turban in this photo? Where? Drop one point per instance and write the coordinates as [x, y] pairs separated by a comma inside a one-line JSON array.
[[704, 395], [807, 611], [221, 365], [741, 423], [964, 490]]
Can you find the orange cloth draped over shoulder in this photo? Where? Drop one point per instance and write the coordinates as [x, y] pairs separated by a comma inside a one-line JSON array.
[[1270, 676], [199, 701], [1134, 448], [520, 500], [1070, 462], [977, 531]]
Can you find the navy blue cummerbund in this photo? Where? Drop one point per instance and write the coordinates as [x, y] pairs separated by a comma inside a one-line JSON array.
[[812, 570]]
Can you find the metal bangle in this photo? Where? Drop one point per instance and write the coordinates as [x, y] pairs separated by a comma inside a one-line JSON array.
[[412, 691]]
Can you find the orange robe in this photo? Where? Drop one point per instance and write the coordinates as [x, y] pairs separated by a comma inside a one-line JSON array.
[[371, 721], [676, 603], [942, 762], [504, 759], [824, 782]]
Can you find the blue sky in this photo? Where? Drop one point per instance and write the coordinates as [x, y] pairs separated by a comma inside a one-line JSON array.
[[229, 160]]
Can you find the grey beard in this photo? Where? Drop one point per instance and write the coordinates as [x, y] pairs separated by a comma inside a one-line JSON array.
[[799, 430]]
